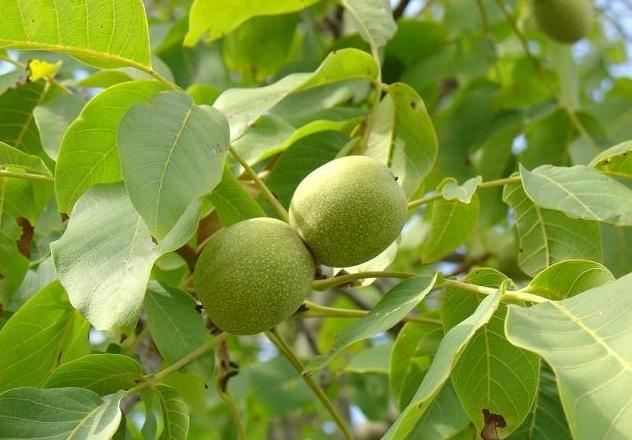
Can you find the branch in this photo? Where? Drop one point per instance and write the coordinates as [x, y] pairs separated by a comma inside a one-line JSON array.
[[276, 339], [489, 36], [200, 351], [484, 185], [313, 310], [278, 207], [400, 8], [226, 371], [345, 279], [511, 295]]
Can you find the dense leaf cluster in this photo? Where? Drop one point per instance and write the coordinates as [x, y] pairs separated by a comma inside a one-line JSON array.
[[132, 132]]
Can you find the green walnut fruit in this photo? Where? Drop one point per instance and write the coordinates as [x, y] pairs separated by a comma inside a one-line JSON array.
[[253, 275], [564, 20], [348, 210]]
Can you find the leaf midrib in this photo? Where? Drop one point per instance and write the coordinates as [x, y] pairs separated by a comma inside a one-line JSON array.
[[104, 56]]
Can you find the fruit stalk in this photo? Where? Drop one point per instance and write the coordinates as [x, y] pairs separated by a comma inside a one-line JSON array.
[[281, 211], [280, 344]]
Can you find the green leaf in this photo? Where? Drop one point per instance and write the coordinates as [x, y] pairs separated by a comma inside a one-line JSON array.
[[203, 93], [546, 419], [546, 237], [303, 157], [548, 138], [177, 329], [58, 413], [273, 135], [218, 19], [391, 309], [404, 136], [53, 118], [372, 19], [568, 278], [88, 153], [370, 392], [448, 354], [616, 161], [445, 418], [13, 264], [411, 356], [243, 107], [277, 383], [579, 192], [43, 333], [491, 373], [261, 46], [13, 157], [106, 254], [105, 78], [232, 202], [18, 127], [172, 152], [451, 190], [617, 246], [586, 340], [451, 223], [102, 34], [374, 359], [174, 411], [101, 373], [11, 79]]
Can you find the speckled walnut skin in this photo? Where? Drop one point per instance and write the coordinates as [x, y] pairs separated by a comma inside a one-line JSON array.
[[566, 21], [348, 210], [253, 275]]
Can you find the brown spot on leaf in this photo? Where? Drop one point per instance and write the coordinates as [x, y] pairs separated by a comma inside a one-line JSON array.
[[25, 243], [492, 423]]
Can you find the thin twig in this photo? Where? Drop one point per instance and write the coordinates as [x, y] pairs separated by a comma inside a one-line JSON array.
[[484, 185], [278, 207], [345, 279], [225, 372], [314, 310], [489, 36], [276, 339], [400, 8], [200, 351]]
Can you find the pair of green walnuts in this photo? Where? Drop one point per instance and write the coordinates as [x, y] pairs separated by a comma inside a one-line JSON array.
[[256, 273]]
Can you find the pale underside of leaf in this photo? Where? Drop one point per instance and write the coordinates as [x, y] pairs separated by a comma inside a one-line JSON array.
[[587, 340]]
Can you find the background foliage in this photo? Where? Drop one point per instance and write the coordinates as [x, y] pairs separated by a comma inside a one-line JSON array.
[[130, 133]]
